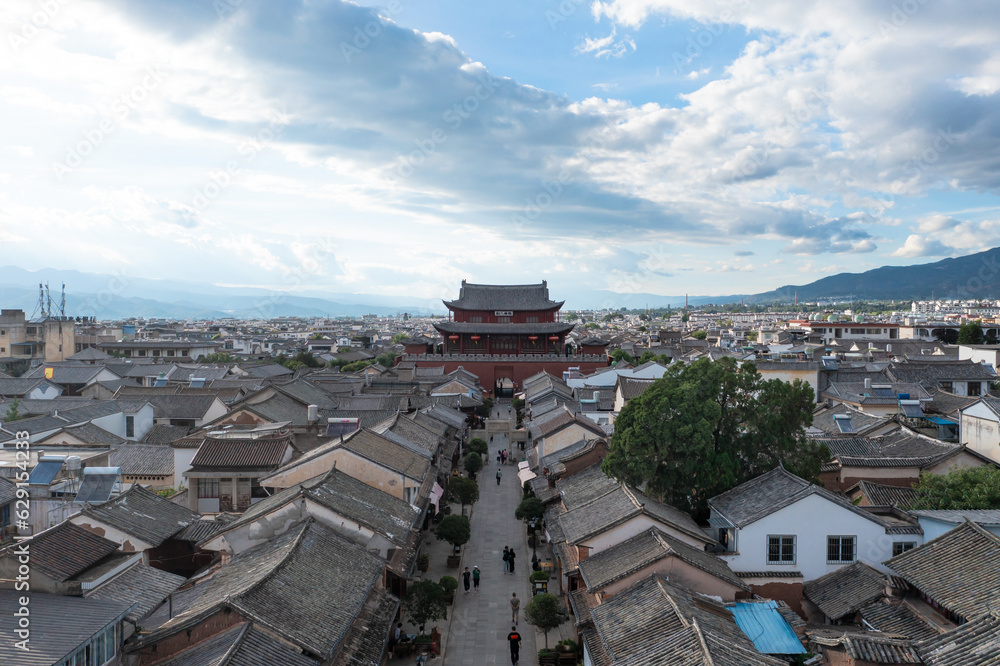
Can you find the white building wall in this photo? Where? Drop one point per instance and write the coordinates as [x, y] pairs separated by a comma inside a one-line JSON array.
[[812, 519], [980, 430], [934, 528]]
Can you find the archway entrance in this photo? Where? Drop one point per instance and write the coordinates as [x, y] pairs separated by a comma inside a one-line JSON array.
[[504, 388]]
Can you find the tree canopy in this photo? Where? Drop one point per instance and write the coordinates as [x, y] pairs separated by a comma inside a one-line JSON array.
[[971, 333], [465, 490], [545, 613], [473, 462], [455, 529], [708, 426], [967, 488], [424, 602], [529, 509]]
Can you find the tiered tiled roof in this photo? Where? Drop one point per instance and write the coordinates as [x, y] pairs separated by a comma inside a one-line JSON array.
[[503, 297]]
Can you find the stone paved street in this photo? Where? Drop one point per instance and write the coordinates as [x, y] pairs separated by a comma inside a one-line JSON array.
[[480, 623]]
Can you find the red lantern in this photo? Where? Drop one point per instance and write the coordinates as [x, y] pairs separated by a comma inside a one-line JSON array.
[[553, 338], [453, 337], [475, 338], [532, 337]]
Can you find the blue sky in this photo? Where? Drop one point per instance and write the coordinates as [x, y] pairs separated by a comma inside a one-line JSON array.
[[654, 146]]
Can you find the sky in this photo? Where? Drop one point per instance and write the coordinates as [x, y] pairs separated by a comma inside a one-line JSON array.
[[396, 148]]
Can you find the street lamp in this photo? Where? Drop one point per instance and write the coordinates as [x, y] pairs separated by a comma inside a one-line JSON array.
[[533, 524]]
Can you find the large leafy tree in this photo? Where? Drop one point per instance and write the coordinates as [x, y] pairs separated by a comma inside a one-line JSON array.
[[545, 613], [971, 333], [968, 488], [424, 602], [708, 426]]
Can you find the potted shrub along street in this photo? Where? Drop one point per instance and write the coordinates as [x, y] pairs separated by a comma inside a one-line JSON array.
[[456, 530], [449, 584]]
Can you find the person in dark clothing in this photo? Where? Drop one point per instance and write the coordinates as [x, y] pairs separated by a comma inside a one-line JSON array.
[[510, 560], [475, 579], [506, 561], [498, 477], [466, 579], [514, 639]]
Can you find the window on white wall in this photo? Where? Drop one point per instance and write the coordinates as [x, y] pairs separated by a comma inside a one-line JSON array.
[[900, 547], [781, 549], [840, 549]]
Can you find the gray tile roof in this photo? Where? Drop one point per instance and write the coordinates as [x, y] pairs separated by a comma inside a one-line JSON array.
[[59, 625], [65, 550], [8, 491], [165, 434], [988, 517], [979, 638], [89, 434], [307, 585], [143, 460], [643, 550], [842, 592], [585, 486], [366, 640], [263, 453], [503, 297], [387, 453], [241, 645], [763, 495], [929, 375], [619, 505], [959, 569], [650, 623], [879, 494], [897, 617], [82, 373], [364, 504], [20, 386], [180, 406], [143, 514], [142, 585]]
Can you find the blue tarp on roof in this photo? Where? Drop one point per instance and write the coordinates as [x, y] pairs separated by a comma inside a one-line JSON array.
[[765, 626], [940, 421]]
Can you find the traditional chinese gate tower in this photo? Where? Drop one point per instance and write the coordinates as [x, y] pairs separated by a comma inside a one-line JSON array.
[[505, 331]]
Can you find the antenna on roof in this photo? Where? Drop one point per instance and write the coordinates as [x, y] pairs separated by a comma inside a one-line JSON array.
[[62, 303]]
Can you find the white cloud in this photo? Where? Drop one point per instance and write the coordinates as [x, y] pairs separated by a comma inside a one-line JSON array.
[[918, 246]]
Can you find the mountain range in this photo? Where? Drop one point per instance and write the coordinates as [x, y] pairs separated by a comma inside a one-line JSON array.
[[113, 296]]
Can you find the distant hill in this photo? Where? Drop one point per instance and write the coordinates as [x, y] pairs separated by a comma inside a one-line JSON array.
[[972, 276], [119, 296]]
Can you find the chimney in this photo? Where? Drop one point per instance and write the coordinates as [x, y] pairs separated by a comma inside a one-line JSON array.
[[868, 383]]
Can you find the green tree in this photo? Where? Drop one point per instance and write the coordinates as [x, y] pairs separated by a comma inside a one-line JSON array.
[[971, 333], [473, 462], [386, 360], [968, 488], [622, 355], [454, 529], [424, 603], [479, 445], [316, 336], [708, 426], [545, 613], [399, 337], [13, 412], [465, 490], [484, 410], [529, 509], [699, 335], [685, 318]]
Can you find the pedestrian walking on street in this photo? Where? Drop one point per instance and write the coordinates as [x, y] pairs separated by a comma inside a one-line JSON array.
[[514, 639], [515, 607], [506, 560], [475, 579], [466, 578], [510, 558], [498, 477]]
